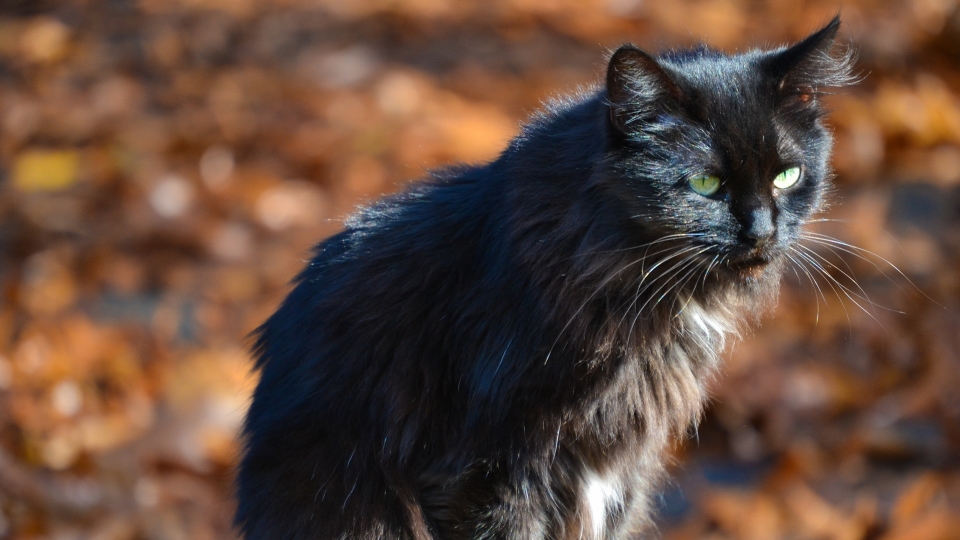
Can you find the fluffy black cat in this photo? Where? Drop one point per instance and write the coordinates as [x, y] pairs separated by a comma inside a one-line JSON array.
[[504, 351]]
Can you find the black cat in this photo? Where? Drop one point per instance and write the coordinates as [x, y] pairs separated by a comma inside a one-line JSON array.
[[505, 351]]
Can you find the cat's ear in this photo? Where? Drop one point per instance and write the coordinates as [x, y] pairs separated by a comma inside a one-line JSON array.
[[801, 70], [636, 84]]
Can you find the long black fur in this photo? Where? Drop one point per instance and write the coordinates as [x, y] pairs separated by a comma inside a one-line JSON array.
[[504, 351]]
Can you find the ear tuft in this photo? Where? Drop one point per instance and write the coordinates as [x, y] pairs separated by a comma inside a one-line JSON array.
[[636, 83], [813, 63]]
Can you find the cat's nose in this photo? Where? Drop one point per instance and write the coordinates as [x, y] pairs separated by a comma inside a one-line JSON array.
[[760, 229]]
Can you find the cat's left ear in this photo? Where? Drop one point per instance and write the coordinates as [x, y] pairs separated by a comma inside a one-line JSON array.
[[812, 64]]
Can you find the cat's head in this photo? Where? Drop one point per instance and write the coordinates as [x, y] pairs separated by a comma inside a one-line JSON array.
[[726, 151]]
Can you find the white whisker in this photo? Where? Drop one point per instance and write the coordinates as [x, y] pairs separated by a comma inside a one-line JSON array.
[[641, 287], [641, 260], [834, 284], [850, 248], [863, 294], [691, 259], [813, 282]]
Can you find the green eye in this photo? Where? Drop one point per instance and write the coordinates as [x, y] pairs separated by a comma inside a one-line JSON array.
[[787, 178], [704, 184]]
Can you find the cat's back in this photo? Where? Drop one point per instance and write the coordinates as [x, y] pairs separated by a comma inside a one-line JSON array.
[[404, 255], [348, 355]]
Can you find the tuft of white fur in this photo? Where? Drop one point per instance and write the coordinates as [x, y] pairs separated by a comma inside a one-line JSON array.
[[600, 493], [714, 326]]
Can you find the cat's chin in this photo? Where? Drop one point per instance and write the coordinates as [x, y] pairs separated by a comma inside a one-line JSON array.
[[759, 279], [751, 275], [750, 268]]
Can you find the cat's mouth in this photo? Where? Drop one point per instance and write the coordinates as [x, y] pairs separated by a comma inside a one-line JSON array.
[[749, 267]]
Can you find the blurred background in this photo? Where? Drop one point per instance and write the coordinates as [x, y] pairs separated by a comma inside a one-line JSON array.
[[166, 165]]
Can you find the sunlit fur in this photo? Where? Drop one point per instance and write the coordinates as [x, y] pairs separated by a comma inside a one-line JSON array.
[[504, 351]]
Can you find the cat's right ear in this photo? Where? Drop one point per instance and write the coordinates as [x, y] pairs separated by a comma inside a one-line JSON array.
[[636, 84]]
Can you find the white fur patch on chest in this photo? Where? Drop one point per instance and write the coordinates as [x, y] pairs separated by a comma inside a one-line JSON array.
[[713, 325], [600, 493]]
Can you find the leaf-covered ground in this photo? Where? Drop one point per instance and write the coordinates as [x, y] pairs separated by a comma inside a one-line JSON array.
[[165, 166]]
